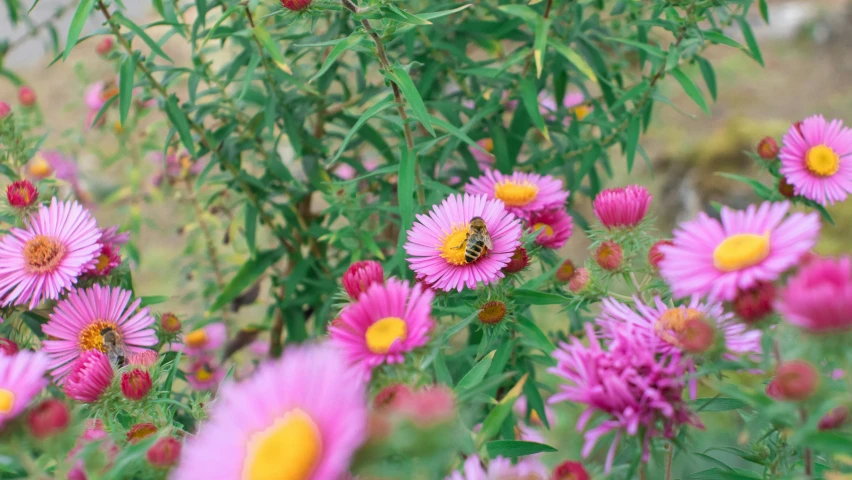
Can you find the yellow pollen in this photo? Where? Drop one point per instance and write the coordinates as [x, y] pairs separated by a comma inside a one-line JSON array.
[[43, 254], [91, 337], [7, 400], [196, 339], [488, 145], [382, 334], [673, 322], [185, 161], [822, 161], [288, 449], [515, 194], [454, 246], [741, 250], [103, 262], [581, 112], [203, 374], [39, 167], [109, 92], [548, 230]]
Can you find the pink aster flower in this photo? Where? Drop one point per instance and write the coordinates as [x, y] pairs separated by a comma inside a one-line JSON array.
[[21, 379], [360, 275], [89, 377], [528, 468], [301, 416], [387, 321], [622, 207], [46, 257], [204, 373], [716, 259], [634, 386], [557, 225], [436, 243], [522, 193], [107, 260], [79, 323], [96, 96], [112, 235], [177, 165], [573, 102], [484, 160], [205, 339], [815, 159], [819, 297]]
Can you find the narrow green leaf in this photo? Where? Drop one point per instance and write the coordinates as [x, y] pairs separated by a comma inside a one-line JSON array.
[[442, 373], [230, 11], [579, 62], [760, 189], [495, 418], [155, 47], [409, 91], [336, 52], [709, 76], [721, 38], [718, 404], [180, 122], [691, 89], [650, 49], [533, 297], [449, 127], [84, 9], [751, 41], [405, 191], [523, 12], [251, 227], [476, 374], [125, 86], [515, 448], [269, 45], [398, 14], [536, 403], [632, 140], [442, 13], [246, 276], [370, 113], [534, 335], [764, 10], [152, 300], [542, 26], [529, 96]]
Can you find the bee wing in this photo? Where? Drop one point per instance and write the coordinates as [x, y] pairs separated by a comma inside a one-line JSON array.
[[486, 240]]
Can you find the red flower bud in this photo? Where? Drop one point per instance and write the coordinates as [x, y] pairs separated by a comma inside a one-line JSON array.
[[27, 96], [697, 336], [609, 255], [566, 271], [135, 384], [360, 275], [8, 347], [655, 256], [391, 395], [164, 453], [5, 110], [518, 261], [140, 431], [834, 419], [21, 194], [570, 471], [296, 5], [579, 280], [428, 406], [768, 148], [170, 323], [104, 46], [754, 304], [48, 418], [796, 380], [785, 188], [492, 312]]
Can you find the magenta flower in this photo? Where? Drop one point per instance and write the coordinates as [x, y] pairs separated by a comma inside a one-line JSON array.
[[815, 159], [557, 225], [521, 193], [624, 207], [360, 275], [89, 377], [21, 379], [819, 297], [208, 338], [637, 388], [527, 468], [573, 102], [204, 373]]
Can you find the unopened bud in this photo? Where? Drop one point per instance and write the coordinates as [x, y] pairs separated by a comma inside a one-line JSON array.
[[518, 261], [492, 312], [754, 304], [8, 347], [609, 255], [655, 255], [360, 275], [697, 336], [391, 395], [140, 431], [27, 96], [170, 323], [570, 471], [768, 148], [21, 194], [135, 384], [5, 110], [834, 419], [104, 46], [566, 271], [296, 5], [785, 188], [579, 280], [48, 418], [164, 453], [797, 380]]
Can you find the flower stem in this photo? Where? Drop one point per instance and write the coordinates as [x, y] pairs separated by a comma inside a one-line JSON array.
[[669, 459]]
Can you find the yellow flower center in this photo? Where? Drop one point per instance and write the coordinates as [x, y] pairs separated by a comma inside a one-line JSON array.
[[488, 145], [673, 322], [196, 339], [515, 194], [289, 449], [92, 338], [39, 167], [822, 161], [381, 335], [740, 251], [103, 262], [582, 111], [548, 230], [7, 400], [43, 254], [204, 373], [452, 250]]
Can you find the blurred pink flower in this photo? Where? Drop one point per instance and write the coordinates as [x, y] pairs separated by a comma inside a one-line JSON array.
[[819, 297]]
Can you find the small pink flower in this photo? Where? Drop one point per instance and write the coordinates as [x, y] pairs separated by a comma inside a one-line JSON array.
[[360, 275], [556, 225], [204, 374], [164, 453], [5, 110], [27, 96], [21, 194], [622, 207], [48, 418], [816, 159], [89, 377], [819, 297], [521, 193]]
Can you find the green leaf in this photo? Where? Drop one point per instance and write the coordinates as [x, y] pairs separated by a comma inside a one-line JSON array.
[[515, 448], [409, 91], [721, 38], [125, 86], [336, 52], [442, 373], [764, 10], [533, 297], [370, 113], [709, 75], [155, 47], [84, 9], [152, 300], [579, 62], [495, 418], [691, 89], [476, 374], [828, 442], [750, 40], [529, 96], [632, 141], [650, 49], [400, 15], [230, 11], [542, 25], [251, 227], [536, 403], [449, 127], [405, 198], [760, 189], [718, 404], [269, 45], [246, 276], [523, 12], [180, 122], [534, 335]]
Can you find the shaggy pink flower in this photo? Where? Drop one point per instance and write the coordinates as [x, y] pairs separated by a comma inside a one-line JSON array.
[[624, 207], [527, 468], [46, 257], [522, 193], [21, 379], [819, 297], [436, 243], [557, 225], [360, 275], [387, 322], [204, 374], [80, 321], [815, 159], [634, 386], [748, 246], [301, 416], [91, 374], [205, 339]]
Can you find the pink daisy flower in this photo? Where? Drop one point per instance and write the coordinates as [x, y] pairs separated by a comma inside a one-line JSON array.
[[90, 375], [95, 97], [484, 160], [633, 385], [205, 339], [527, 468], [573, 102], [204, 374], [80, 321], [112, 235], [436, 243], [622, 207], [46, 257], [557, 225], [360, 275], [522, 193], [386, 322], [819, 297], [815, 159], [716, 259], [107, 260], [301, 416], [21, 379]]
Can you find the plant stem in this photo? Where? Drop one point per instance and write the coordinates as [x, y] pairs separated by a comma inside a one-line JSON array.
[[669, 459], [205, 230], [642, 475]]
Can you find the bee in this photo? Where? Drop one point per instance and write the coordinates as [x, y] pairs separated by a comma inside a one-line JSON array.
[[477, 241], [114, 346]]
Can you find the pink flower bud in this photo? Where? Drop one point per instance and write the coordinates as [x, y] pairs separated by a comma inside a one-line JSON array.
[[104, 46], [785, 188], [27, 96], [754, 304], [140, 431], [164, 453], [8, 347], [21, 194], [296, 5], [170, 323], [579, 280], [570, 471], [5, 110], [609, 255], [360, 276], [655, 256], [391, 395], [768, 148], [566, 271], [518, 261], [429, 406], [135, 384], [697, 336], [797, 380], [834, 419], [48, 418], [90, 376]]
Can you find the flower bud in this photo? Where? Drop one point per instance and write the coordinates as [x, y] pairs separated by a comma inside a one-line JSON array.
[[140, 431], [135, 384], [89, 377], [570, 471], [429, 406], [391, 395], [27, 96], [754, 304], [797, 380], [164, 453], [566, 271], [145, 358], [655, 256], [785, 188], [834, 419], [104, 46], [579, 280], [8, 347], [518, 261], [296, 5], [21, 194], [609, 255], [768, 148], [170, 323], [697, 336], [492, 312], [48, 418], [5, 110], [360, 276]]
